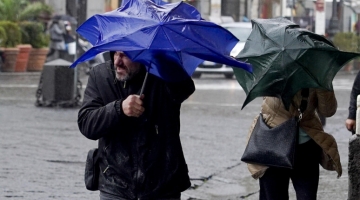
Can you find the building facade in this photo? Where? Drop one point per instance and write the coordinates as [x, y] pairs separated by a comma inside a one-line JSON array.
[[302, 11]]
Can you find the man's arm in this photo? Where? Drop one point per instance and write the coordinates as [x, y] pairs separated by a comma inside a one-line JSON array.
[[353, 96], [58, 30], [180, 91], [95, 119], [350, 121]]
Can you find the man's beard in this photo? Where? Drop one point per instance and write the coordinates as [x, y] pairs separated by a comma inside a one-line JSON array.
[[128, 76]]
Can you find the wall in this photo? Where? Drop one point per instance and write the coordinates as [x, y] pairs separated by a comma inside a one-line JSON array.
[[95, 7], [58, 5], [348, 16]]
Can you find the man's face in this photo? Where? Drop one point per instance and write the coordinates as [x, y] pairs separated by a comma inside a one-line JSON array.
[[125, 68]]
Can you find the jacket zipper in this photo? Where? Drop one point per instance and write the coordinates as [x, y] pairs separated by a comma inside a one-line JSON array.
[[137, 141], [137, 169]]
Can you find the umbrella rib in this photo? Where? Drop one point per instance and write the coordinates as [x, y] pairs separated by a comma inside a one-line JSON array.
[[180, 33], [167, 15], [307, 71], [167, 36], [265, 34], [305, 68], [263, 74], [112, 39]]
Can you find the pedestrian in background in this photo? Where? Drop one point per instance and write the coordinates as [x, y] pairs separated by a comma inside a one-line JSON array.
[[357, 27], [70, 44], [314, 147], [68, 35], [57, 40], [139, 149], [350, 122]]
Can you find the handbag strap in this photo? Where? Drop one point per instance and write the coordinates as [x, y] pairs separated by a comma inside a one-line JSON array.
[[304, 101]]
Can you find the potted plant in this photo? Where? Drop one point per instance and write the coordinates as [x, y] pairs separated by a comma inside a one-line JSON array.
[[18, 12], [25, 47], [10, 9], [30, 14], [13, 38], [36, 11], [39, 42]]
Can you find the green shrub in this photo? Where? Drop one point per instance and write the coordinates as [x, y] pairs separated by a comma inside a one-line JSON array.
[[32, 33], [3, 37], [10, 9], [13, 33], [35, 11], [45, 40], [346, 42]]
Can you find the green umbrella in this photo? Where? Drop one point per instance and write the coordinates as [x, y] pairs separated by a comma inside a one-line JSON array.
[[286, 58]]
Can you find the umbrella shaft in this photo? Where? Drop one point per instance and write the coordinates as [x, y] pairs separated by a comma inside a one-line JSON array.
[[144, 83]]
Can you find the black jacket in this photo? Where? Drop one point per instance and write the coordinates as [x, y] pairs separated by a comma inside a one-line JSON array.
[[140, 158], [353, 97]]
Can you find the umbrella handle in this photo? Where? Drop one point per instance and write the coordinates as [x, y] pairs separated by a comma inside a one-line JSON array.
[[144, 83]]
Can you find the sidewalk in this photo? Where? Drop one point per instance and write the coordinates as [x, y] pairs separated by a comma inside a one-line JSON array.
[[43, 152], [28, 79], [31, 79]]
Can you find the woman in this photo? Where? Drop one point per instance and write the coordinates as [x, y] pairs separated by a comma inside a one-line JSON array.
[[57, 41], [314, 147]]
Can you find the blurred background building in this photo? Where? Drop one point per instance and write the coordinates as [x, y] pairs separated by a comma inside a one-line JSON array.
[[339, 15]]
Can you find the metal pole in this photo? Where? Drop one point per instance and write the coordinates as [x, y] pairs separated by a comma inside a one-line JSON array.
[[144, 83], [81, 8], [341, 16], [292, 9], [76, 49], [334, 21], [290, 4]]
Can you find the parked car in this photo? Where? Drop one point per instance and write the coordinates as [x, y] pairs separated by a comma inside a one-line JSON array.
[[242, 31]]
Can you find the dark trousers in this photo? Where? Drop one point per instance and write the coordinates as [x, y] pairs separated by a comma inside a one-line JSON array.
[[274, 184], [106, 196]]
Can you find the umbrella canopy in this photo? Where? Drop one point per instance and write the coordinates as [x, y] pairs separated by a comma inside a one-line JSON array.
[[161, 37], [285, 59], [158, 2]]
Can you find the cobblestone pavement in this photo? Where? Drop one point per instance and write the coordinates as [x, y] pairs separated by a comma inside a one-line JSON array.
[[43, 153]]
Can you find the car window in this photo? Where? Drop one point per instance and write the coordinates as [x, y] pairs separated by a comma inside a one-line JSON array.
[[241, 33]]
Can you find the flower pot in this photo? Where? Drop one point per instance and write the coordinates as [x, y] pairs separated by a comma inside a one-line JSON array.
[[10, 57], [1, 57], [37, 59], [23, 57]]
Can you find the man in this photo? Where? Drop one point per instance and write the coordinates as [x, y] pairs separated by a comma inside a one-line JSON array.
[[140, 153], [350, 122]]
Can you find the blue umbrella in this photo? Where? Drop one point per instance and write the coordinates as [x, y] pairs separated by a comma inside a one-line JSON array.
[[158, 2], [171, 40]]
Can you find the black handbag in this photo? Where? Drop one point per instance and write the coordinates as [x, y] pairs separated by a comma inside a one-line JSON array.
[[275, 147], [92, 170]]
